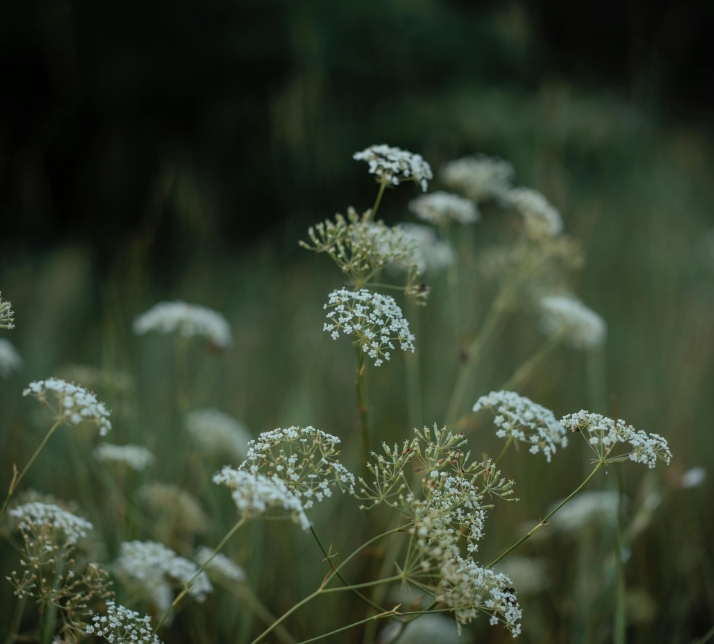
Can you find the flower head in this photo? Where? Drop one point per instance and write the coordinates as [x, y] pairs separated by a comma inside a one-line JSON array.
[[393, 165], [7, 317], [480, 178], [441, 207], [35, 515], [521, 419], [10, 359], [189, 320], [74, 404], [217, 433], [431, 253], [541, 219], [122, 626], [174, 509], [375, 320], [568, 317], [219, 565], [136, 457]]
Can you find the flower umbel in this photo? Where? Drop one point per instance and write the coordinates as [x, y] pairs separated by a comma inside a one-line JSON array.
[[441, 207], [393, 165], [32, 516], [579, 326], [480, 178], [136, 457], [122, 626], [541, 219], [216, 433]]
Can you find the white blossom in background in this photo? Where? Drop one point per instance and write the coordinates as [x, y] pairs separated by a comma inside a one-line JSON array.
[[189, 320], [375, 320], [604, 435], [541, 219], [122, 626], [441, 207], [523, 420], [174, 508], [216, 433], [431, 253], [220, 564], [10, 359], [693, 477], [74, 404], [136, 457], [480, 178], [7, 316], [566, 316], [586, 508], [393, 165], [528, 574], [33, 516]]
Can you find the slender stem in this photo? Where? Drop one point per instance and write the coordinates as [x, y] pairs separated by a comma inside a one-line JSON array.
[[389, 613], [453, 286], [182, 370], [382, 186], [525, 371], [508, 444], [544, 521], [360, 391], [620, 621], [16, 479], [366, 584], [187, 586], [413, 369]]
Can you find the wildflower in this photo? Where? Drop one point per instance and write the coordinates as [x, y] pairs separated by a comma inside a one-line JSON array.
[[7, 316], [122, 626], [604, 434], [480, 178], [431, 253], [693, 477], [441, 207], [174, 509], [74, 403], [541, 219], [579, 326], [586, 508], [10, 359], [220, 564], [374, 319], [136, 457], [393, 165], [521, 419], [217, 433], [32, 516], [189, 320]]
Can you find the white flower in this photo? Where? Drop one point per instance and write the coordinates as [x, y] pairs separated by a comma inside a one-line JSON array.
[[174, 508], [528, 574], [10, 359], [34, 515], [189, 320], [122, 626], [586, 508], [217, 433], [523, 420], [604, 435], [135, 456], [480, 177], [374, 319], [393, 165], [220, 564], [441, 207], [565, 316], [541, 219], [74, 403], [693, 477], [431, 253], [7, 316]]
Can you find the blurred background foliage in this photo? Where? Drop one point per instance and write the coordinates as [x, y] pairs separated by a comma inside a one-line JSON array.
[[154, 151]]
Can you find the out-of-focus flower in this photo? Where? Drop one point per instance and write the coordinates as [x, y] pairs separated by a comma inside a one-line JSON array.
[[694, 477], [480, 178], [219, 565], [567, 317], [136, 457], [35, 515], [432, 253], [528, 574], [10, 359], [541, 219], [218, 434], [441, 207]]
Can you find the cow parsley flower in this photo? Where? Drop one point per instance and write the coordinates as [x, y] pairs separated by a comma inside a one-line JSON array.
[[174, 509], [218, 434], [375, 320], [521, 419], [35, 515], [393, 165], [693, 477], [7, 317], [10, 359], [122, 626], [189, 320], [431, 253], [579, 326], [480, 178], [219, 565], [441, 207], [541, 219], [136, 457], [74, 404], [599, 506], [604, 435]]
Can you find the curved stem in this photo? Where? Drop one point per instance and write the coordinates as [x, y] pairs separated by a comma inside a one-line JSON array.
[[18, 477], [508, 444], [389, 613], [360, 391], [544, 521], [382, 186]]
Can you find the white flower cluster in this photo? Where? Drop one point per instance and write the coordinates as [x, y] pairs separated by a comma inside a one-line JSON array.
[[374, 319], [154, 567], [393, 165], [579, 326], [220, 564], [74, 403], [541, 219], [480, 177], [441, 207], [35, 515], [189, 320], [136, 457], [523, 420], [10, 359], [7, 317], [122, 626], [604, 434], [431, 253], [216, 433]]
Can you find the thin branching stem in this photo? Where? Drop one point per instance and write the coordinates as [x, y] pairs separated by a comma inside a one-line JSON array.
[[523, 374], [382, 186], [620, 619], [362, 409]]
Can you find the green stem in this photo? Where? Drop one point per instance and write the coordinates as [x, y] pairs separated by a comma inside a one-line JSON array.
[[374, 618], [187, 586], [360, 391], [182, 370], [382, 186], [413, 370], [452, 274], [544, 521], [525, 371], [508, 444], [620, 621], [16, 479]]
